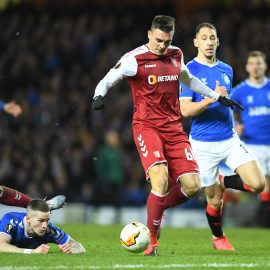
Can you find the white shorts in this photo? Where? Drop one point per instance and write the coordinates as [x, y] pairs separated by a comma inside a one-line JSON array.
[[262, 153], [209, 155]]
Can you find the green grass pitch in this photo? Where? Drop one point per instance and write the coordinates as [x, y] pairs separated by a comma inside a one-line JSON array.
[[179, 249]]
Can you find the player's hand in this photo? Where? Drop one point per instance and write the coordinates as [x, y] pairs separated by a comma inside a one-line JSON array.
[[227, 102], [41, 249], [98, 102], [220, 89], [65, 248], [13, 108]]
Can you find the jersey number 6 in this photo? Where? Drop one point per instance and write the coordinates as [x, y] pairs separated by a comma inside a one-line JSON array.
[[189, 155]]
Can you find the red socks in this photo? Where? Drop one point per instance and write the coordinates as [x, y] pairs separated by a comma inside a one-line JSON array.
[[155, 209], [13, 197], [265, 196], [174, 197]]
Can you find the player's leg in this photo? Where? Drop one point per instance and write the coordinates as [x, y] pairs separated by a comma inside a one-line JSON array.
[[214, 197], [262, 153], [12, 197], [155, 204], [150, 148], [249, 175], [208, 156], [183, 169], [252, 177]]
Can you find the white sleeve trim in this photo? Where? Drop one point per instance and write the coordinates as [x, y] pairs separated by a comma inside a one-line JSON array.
[[185, 98], [6, 234], [68, 239], [126, 67]]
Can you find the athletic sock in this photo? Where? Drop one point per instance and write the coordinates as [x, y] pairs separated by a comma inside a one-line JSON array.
[[175, 196], [235, 182], [214, 218], [265, 197], [155, 209], [12, 197]]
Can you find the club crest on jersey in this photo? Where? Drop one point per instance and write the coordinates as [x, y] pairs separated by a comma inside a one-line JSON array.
[[174, 62], [250, 99], [226, 78]]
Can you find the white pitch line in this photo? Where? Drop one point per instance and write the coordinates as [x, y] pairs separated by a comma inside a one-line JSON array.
[[138, 266]]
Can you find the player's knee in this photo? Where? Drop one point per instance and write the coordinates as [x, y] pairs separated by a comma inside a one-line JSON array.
[[258, 187], [193, 189], [159, 178], [216, 202]]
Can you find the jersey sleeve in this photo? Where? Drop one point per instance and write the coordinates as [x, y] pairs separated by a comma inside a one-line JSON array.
[[126, 67], [57, 235], [6, 226], [185, 92]]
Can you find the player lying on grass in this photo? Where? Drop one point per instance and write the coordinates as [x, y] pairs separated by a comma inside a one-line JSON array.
[[30, 232]]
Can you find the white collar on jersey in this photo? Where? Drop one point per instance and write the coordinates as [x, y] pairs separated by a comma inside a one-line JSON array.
[[206, 64], [254, 85]]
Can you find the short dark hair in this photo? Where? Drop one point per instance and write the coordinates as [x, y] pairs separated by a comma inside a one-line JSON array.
[[204, 24], [257, 53], [38, 205], [164, 23]]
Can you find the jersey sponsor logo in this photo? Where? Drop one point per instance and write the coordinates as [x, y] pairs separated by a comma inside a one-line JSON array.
[[153, 79], [226, 78], [259, 110], [150, 66]]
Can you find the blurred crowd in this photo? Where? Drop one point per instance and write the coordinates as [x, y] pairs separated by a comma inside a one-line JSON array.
[[52, 57]]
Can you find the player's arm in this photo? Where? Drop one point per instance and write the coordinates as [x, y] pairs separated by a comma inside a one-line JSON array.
[[5, 246], [72, 247], [189, 108], [126, 67]]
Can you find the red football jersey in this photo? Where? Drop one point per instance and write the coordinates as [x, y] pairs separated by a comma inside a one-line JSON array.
[[155, 86]]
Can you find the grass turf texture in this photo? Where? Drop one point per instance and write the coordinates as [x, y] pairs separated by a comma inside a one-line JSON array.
[[179, 249]]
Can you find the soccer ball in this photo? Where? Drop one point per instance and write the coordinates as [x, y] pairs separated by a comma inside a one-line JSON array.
[[135, 237]]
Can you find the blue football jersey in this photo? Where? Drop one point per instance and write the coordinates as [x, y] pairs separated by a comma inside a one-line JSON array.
[[216, 122], [256, 114], [13, 225]]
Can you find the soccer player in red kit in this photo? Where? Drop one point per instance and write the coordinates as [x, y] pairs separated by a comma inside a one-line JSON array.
[[153, 71]]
